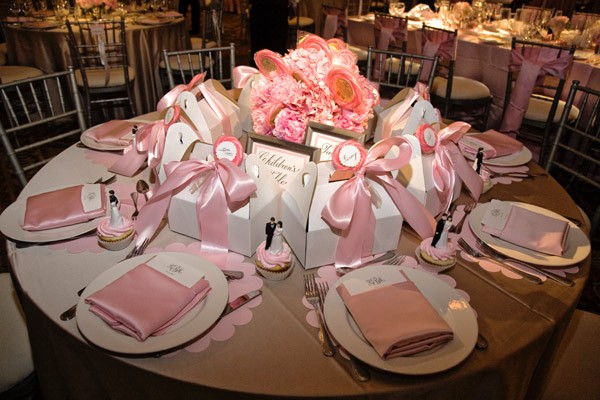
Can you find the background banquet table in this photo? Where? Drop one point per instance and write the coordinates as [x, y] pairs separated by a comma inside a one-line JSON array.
[[48, 50], [476, 59], [276, 353]]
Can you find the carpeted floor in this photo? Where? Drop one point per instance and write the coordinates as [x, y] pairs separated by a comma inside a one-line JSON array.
[[590, 299]]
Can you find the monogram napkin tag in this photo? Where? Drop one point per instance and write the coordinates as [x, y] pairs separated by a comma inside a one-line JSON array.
[[91, 197], [175, 269], [496, 214], [357, 286]]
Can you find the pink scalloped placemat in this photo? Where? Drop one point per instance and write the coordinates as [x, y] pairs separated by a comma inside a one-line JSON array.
[[106, 158], [225, 328], [507, 180]]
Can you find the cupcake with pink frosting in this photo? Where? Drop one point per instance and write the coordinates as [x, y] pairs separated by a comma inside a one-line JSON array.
[[274, 256], [438, 251], [115, 232]]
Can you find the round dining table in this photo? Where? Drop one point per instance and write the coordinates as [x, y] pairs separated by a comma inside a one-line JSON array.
[[48, 50], [269, 348]]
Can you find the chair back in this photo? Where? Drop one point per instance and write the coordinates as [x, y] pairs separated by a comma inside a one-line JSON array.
[[358, 7], [574, 158], [38, 114], [583, 21], [212, 23], [390, 31], [98, 45], [443, 43], [399, 70], [217, 62], [335, 22], [532, 14], [538, 70]]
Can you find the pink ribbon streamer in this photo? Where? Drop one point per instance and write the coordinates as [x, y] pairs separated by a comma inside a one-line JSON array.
[[350, 207], [403, 111], [169, 99], [439, 43], [242, 74], [149, 144], [223, 186], [533, 63], [448, 162], [388, 29]]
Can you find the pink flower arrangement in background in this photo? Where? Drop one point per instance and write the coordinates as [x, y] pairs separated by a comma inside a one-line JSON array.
[[318, 81], [85, 4], [558, 23]]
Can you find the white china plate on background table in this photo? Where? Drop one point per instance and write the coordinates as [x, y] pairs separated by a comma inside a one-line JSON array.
[[451, 306], [577, 246], [11, 224], [511, 160], [192, 325]]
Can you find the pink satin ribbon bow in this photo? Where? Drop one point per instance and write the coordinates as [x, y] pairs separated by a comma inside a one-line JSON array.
[[350, 207], [335, 19], [149, 144], [242, 74], [404, 110], [533, 64], [170, 98], [448, 162], [222, 186]]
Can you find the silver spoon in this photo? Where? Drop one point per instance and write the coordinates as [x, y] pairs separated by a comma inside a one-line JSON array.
[[142, 188], [134, 197]]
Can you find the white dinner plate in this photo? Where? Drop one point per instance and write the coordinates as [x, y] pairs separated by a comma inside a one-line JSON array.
[[451, 306], [577, 247], [11, 224], [511, 160], [92, 144], [192, 325]]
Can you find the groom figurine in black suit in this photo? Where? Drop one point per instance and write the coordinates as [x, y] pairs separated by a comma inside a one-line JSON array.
[[269, 231]]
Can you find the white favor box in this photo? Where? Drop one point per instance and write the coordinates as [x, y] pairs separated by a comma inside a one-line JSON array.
[[313, 241], [246, 224], [209, 125]]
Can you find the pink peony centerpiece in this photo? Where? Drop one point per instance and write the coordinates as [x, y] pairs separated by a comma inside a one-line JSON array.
[[318, 81]]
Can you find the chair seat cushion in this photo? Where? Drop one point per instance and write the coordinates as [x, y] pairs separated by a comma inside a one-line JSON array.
[[96, 77], [185, 63], [539, 108], [411, 69], [304, 21], [361, 53], [462, 88], [13, 73], [197, 44], [16, 362]]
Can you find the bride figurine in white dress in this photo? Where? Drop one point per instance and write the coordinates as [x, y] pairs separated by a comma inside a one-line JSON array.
[[277, 242]]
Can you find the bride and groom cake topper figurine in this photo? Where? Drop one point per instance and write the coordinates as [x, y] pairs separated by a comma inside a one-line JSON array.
[[274, 232]]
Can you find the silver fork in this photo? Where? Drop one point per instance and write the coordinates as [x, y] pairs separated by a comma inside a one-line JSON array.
[[359, 369], [474, 253], [311, 292], [501, 257], [458, 227], [387, 258]]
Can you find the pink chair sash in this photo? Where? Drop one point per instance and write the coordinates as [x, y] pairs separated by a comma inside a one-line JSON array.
[[534, 63], [440, 43], [388, 29], [350, 207], [335, 19], [223, 186]]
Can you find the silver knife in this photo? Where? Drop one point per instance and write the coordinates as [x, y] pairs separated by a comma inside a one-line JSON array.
[[229, 274], [240, 301]]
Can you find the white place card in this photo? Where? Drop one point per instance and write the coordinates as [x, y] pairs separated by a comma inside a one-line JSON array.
[[176, 270], [357, 286], [91, 197], [496, 214]]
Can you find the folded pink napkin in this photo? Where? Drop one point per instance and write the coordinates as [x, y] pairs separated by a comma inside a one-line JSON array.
[[145, 302], [397, 319], [532, 230], [494, 143], [112, 132], [64, 207]]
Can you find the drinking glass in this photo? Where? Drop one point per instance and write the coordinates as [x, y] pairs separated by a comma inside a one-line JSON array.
[[62, 9], [397, 8]]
